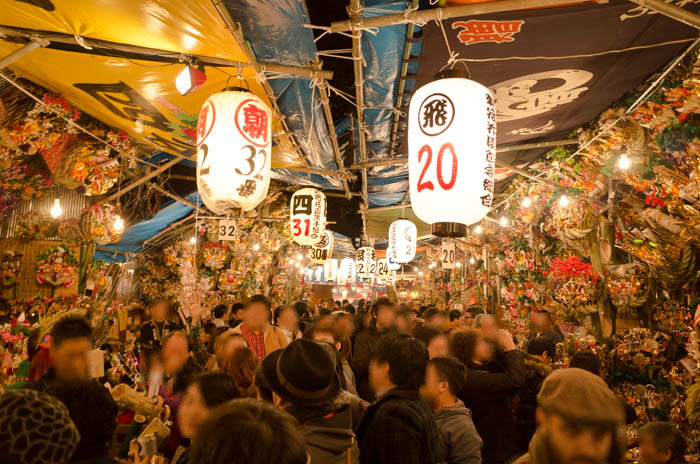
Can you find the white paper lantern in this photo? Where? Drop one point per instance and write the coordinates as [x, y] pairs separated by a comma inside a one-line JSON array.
[[451, 153], [402, 241], [330, 269], [382, 269], [346, 273], [391, 263], [366, 262], [307, 216], [233, 151], [322, 250]]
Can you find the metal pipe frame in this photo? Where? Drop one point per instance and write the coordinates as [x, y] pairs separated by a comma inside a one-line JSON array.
[[143, 180], [20, 52], [174, 196], [671, 10], [449, 12], [149, 53], [324, 172]]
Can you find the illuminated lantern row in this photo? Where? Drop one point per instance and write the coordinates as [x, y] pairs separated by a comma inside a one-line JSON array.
[[402, 241], [366, 262], [346, 273], [330, 269], [233, 151], [451, 152], [307, 219], [322, 250], [382, 269]]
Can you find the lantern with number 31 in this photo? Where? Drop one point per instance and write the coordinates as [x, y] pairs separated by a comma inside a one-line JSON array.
[[451, 152], [233, 151]]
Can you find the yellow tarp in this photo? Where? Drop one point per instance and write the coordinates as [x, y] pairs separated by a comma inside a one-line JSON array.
[[137, 96]]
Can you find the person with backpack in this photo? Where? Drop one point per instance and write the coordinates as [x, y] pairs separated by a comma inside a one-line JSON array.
[[304, 383]]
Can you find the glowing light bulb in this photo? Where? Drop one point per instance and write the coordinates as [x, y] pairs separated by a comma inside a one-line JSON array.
[[299, 257], [193, 240], [478, 230], [118, 223], [256, 247], [472, 260], [623, 162], [420, 273], [56, 209], [459, 264], [526, 202], [563, 200], [297, 265], [504, 221], [415, 268]]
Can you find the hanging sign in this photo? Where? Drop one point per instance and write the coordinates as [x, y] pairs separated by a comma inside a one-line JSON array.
[[330, 269], [322, 250], [366, 262], [382, 269], [346, 273], [227, 229], [307, 216], [233, 151], [391, 278], [451, 153], [402, 241], [448, 255]]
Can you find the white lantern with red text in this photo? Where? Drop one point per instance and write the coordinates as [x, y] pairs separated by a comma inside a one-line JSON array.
[[330, 269], [233, 151], [402, 241], [322, 250], [366, 262], [307, 220], [451, 152], [346, 273], [382, 269]]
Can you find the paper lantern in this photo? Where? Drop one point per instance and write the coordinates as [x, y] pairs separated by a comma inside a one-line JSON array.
[[451, 152], [330, 269], [346, 273], [233, 151], [322, 250], [382, 269], [366, 262], [307, 216], [402, 241], [391, 263]]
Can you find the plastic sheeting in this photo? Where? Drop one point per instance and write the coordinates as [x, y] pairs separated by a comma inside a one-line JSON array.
[[133, 238], [275, 30]]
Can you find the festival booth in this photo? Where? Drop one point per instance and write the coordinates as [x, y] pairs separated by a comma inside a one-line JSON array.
[[465, 154]]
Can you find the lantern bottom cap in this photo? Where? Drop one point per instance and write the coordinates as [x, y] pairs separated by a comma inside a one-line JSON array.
[[449, 229]]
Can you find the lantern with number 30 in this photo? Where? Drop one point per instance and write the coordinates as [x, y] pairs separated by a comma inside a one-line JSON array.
[[233, 151]]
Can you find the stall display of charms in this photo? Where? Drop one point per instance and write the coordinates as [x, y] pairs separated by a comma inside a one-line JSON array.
[[69, 230], [88, 164], [216, 255], [671, 316], [97, 280], [9, 268], [97, 224], [574, 284], [57, 266], [627, 285], [34, 226]]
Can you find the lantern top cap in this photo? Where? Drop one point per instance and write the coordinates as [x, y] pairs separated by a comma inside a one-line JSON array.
[[452, 74], [236, 89]]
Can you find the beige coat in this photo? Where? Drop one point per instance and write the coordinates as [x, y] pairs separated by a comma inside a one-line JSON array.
[[274, 338]]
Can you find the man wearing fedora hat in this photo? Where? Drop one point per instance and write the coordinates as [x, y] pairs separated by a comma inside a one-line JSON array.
[[399, 428], [304, 382]]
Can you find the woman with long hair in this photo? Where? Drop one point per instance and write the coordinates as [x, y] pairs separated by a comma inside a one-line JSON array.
[[241, 365]]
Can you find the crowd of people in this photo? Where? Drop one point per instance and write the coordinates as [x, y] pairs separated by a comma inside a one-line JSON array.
[[329, 383]]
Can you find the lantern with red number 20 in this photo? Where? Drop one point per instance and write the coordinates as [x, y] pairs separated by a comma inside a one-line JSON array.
[[307, 216], [451, 152]]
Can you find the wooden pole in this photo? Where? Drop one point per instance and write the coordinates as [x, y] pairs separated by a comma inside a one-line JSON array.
[[172, 195], [143, 180], [672, 11]]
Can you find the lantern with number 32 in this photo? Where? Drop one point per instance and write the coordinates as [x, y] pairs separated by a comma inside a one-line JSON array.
[[451, 152], [307, 216], [233, 151]]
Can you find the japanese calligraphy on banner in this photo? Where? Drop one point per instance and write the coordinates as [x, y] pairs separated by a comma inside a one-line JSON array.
[[366, 262], [346, 273], [402, 242], [382, 270], [233, 151], [448, 255], [307, 216], [322, 250], [330, 269], [451, 151]]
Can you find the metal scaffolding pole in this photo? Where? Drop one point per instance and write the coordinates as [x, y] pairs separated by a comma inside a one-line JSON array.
[[143, 180], [21, 51], [324, 172], [174, 196], [671, 10]]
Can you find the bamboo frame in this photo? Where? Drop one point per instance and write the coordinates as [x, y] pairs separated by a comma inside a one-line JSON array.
[[143, 180], [672, 11]]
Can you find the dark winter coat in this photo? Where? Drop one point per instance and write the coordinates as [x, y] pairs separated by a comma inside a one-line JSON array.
[[460, 442], [398, 429], [525, 424], [330, 439], [152, 333], [488, 392], [365, 345]]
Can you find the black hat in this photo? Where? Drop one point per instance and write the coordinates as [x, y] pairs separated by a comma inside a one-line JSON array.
[[302, 374]]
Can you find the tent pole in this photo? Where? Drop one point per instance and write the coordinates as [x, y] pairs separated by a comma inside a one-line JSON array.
[[323, 172], [356, 22], [143, 180], [174, 196], [323, 91], [21, 51], [672, 11], [423, 16]]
